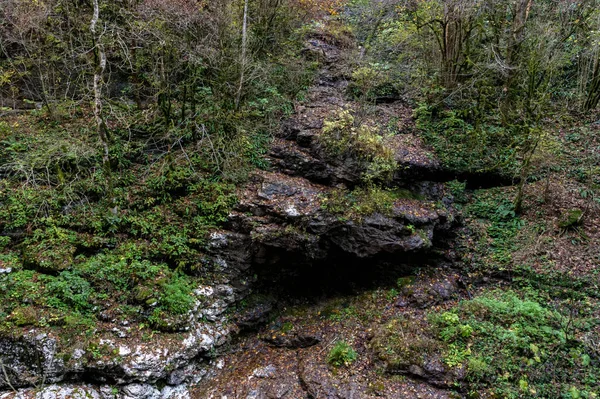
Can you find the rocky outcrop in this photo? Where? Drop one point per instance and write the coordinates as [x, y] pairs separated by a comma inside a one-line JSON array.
[[281, 218], [298, 150], [287, 212], [132, 391], [38, 359]]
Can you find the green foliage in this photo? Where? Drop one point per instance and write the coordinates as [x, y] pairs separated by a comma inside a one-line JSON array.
[[372, 81], [500, 229], [403, 342], [508, 343], [176, 295], [363, 201], [50, 250], [342, 354], [341, 138], [465, 148], [457, 189], [345, 313], [31, 298], [69, 291]]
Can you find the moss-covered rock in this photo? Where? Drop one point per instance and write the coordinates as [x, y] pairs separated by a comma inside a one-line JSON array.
[[24, 316], [408, 346], [571, 219], [49, 256]]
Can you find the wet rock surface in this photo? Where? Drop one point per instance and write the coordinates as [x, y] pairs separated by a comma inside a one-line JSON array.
[[265, 365]]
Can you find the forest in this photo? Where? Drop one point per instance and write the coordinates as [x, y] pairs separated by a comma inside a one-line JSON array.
[[299, 199]]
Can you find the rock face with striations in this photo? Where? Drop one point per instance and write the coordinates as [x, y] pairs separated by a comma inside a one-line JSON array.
[[281, 217]]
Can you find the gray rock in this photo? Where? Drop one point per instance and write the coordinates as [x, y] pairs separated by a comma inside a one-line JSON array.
[[140, 391], [278, 391], [254, 394], [265, 372], [57, 392], [28, 358], [175, 392]]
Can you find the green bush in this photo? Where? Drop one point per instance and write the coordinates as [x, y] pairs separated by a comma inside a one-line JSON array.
[[508, 344], [371, 81], [463, 147], [341, 138], [175, 297], [457, 189], [342, 354], [69, 291]]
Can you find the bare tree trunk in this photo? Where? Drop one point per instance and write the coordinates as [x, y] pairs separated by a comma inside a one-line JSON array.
[[243, 60], [593, 92], [99, 67], [520, 17], [518, 203]]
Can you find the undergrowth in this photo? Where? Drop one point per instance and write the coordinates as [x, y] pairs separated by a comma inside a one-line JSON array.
[[516, 347], [363, 201], [342, 138], [81, 240], [342, 354], [464, 147]]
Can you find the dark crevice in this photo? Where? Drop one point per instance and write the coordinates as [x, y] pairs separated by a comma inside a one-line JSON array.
[[293, 278], [473, 180]]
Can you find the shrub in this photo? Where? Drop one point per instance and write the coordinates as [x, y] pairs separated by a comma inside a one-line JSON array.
[[342, 139], [176, 295], [464, 147], [342, 354], [457, 189], [369, 82], [70, 291]]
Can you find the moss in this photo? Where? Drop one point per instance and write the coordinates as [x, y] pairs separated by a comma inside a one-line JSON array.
[[571, 219], [363, 201], [403, 342], [24, 316], [143, 294]]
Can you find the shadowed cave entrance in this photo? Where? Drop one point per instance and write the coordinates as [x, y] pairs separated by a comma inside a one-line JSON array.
[[288, 276]]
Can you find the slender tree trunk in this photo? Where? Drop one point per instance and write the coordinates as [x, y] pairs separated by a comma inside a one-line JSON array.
[[518, 203], [520, 17], [593, 93], [99, 67], [243, 60]]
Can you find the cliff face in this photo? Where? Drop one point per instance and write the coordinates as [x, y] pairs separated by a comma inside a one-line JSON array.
[[314, 206]]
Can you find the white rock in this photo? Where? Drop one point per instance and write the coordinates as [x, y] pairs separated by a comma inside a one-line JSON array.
[[124, 350], [176, 392], [265, 372], [68, 392], [77, 354], [205, 290], [140, 391], [292, 211], [218, 240]]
